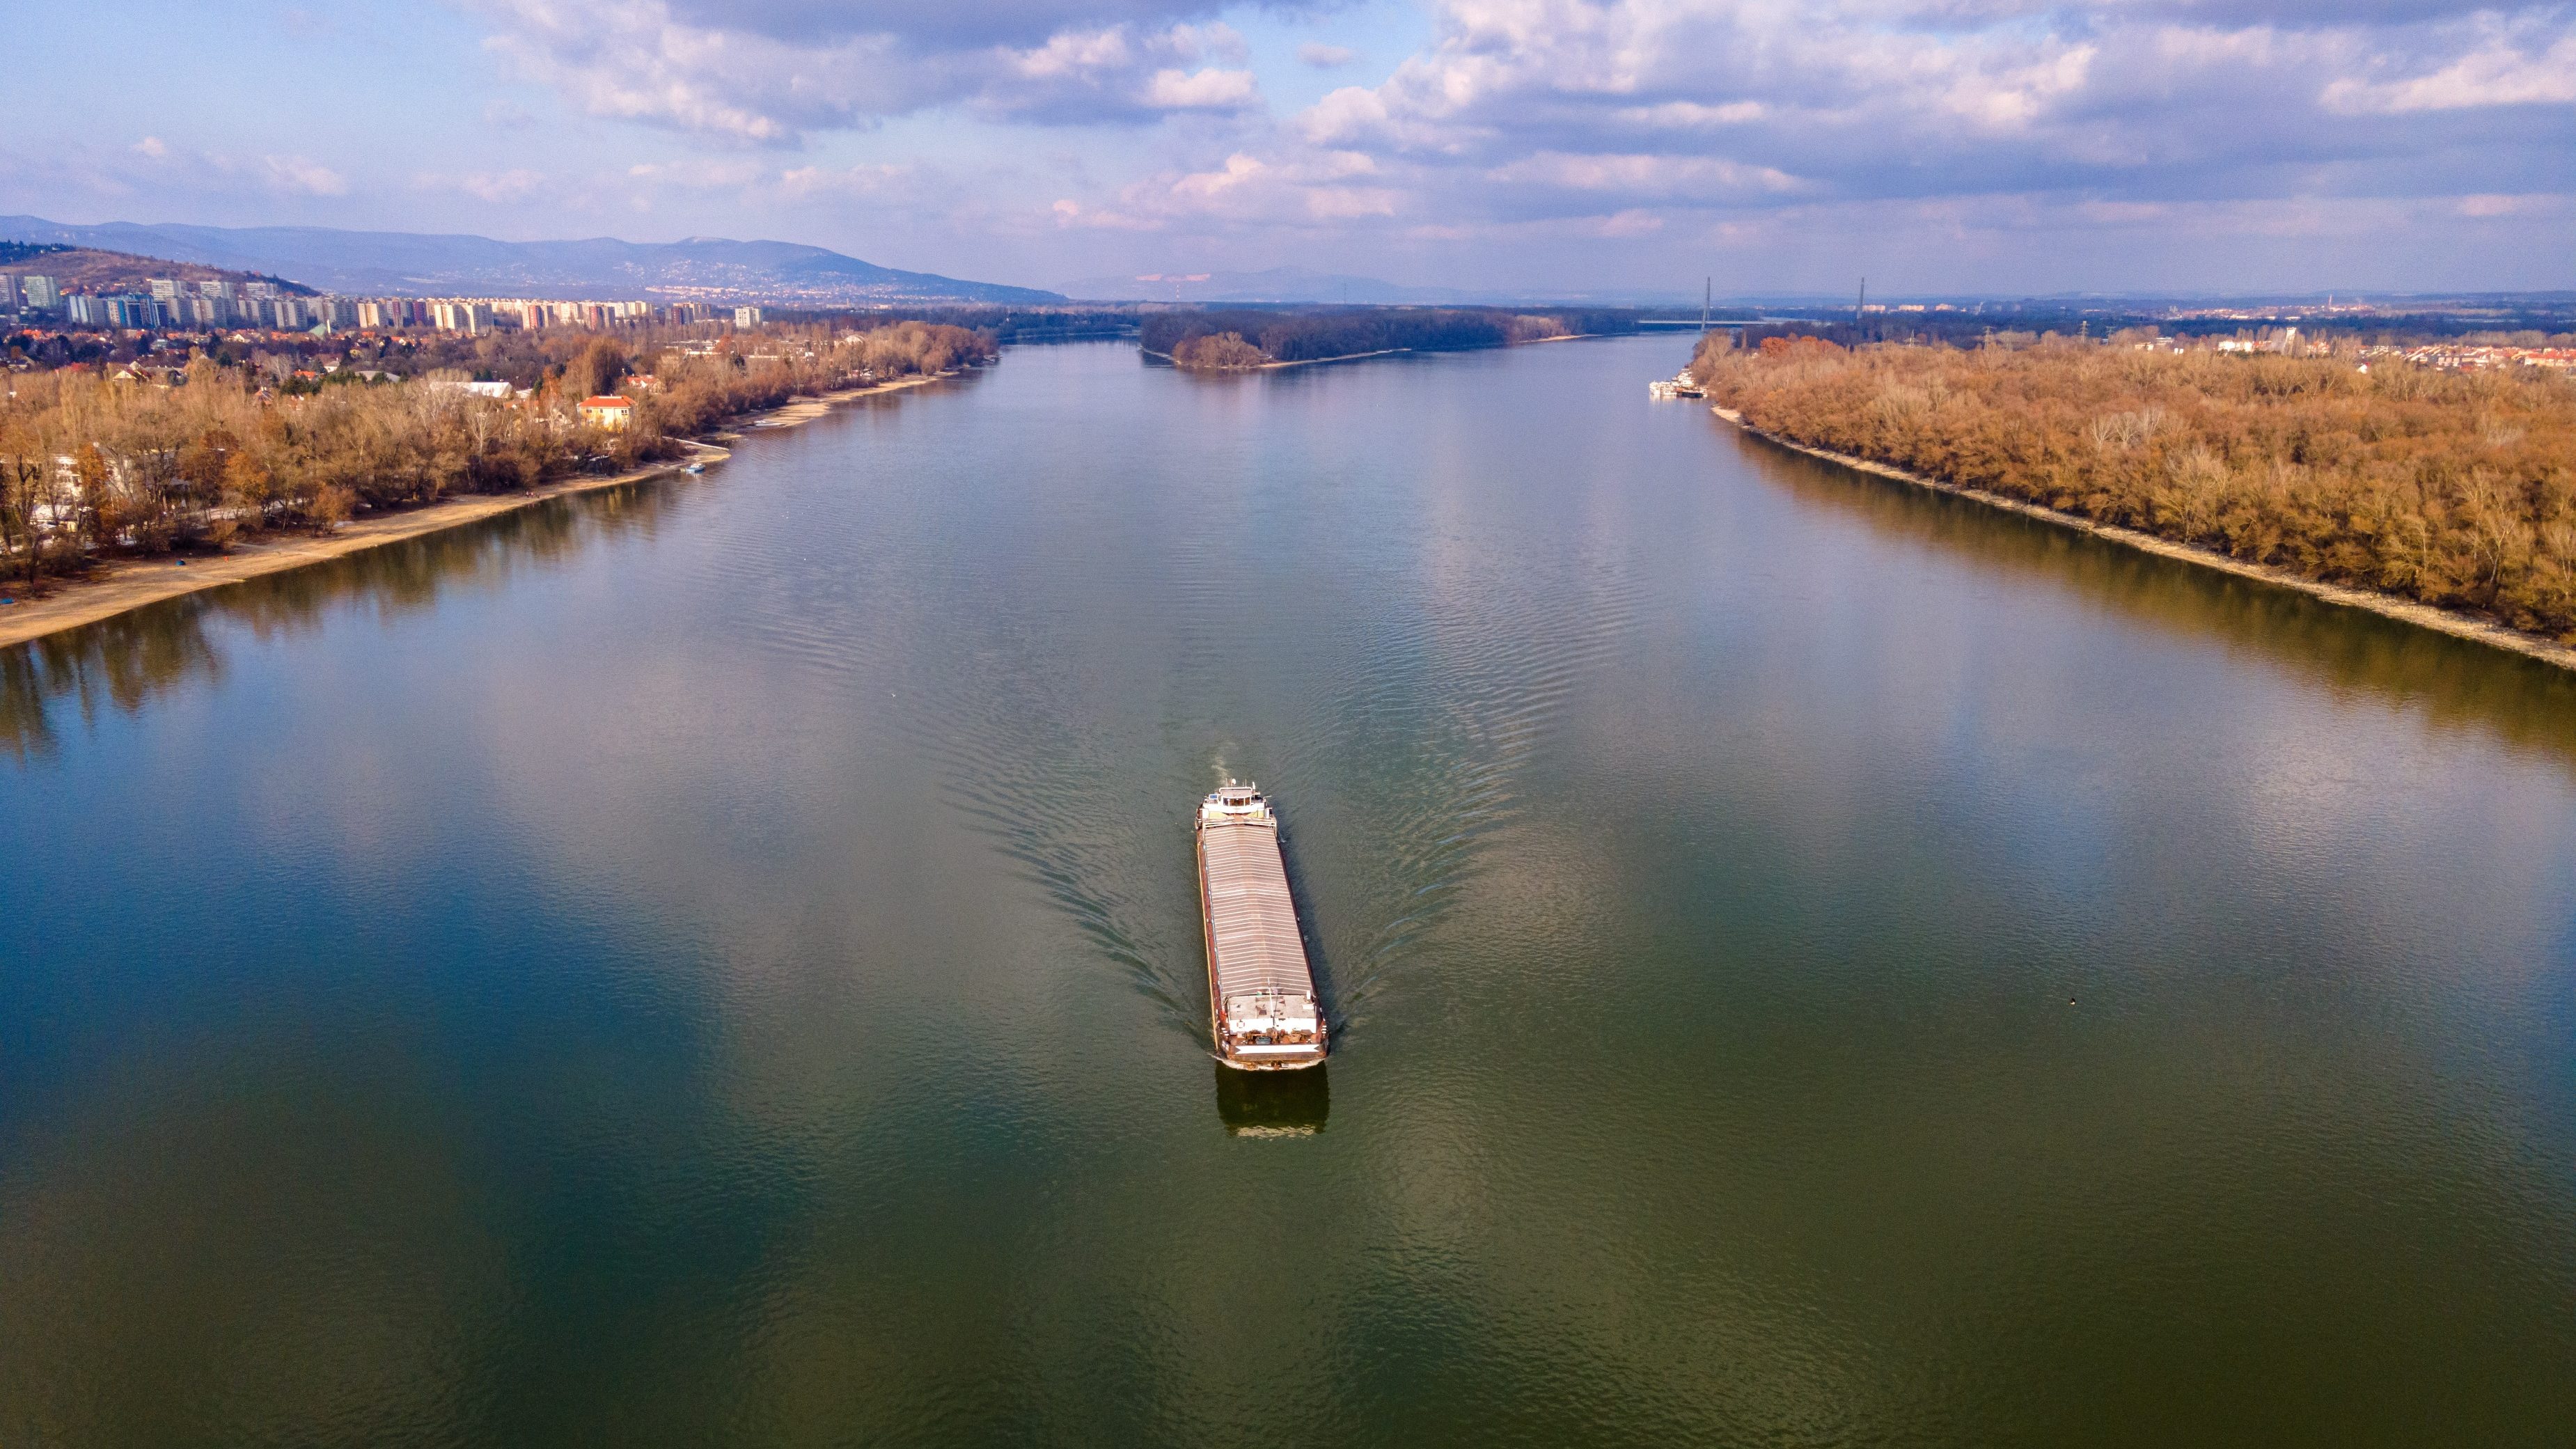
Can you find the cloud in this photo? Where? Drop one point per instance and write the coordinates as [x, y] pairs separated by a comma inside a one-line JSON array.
[[1313, 190], [1528, 127], [700, 173], [1644, 175], [298, 174], [1692, 115], [1206, 90], [770, 74], [2500, 72], [873, 182], [1070, 213], [1862, 99], [512, 185], [156, 165]]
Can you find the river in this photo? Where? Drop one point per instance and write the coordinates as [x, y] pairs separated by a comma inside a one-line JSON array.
[[717, 961]]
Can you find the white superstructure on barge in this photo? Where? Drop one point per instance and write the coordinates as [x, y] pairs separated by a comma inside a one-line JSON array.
[[1261, 991]]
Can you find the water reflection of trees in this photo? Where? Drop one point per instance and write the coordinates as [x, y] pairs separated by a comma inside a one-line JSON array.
[[2456, 682], [125, 661]]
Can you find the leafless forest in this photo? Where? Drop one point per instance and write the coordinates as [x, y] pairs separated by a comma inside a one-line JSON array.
[[95, 465], [2454, 489]]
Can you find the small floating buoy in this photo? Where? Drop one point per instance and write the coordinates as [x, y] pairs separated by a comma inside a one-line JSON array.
[[2070, 1001]]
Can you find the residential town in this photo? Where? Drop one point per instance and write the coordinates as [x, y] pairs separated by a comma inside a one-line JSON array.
[[174, 304]]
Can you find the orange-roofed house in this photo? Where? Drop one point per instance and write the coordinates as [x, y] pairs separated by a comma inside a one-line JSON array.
[[612, 412]]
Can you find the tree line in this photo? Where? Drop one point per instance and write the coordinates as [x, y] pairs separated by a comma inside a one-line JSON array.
[[1251, 337], [2451, 489], [93, 466]]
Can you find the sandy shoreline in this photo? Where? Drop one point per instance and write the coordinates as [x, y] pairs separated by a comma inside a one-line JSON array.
[[2462, 626], [119, 587]]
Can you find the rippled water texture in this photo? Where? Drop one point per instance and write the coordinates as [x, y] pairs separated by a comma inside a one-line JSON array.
[[1816, 964]]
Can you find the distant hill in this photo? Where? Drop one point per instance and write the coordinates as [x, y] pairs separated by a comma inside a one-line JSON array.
[[87, 269], [1279, 284], [362, 263]]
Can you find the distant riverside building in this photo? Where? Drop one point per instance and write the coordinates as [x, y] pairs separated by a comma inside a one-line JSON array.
[[610, 412], [470, 318], [130, 310], [176, 303], [497, 391], [592, 315]]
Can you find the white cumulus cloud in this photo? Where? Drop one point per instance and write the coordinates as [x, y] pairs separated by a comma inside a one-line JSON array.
[[771, 75]]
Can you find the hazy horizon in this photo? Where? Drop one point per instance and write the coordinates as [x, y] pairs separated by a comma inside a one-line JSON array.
[[2232, 147]]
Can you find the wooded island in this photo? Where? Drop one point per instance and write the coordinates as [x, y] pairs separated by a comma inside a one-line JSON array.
[[1233, 340]]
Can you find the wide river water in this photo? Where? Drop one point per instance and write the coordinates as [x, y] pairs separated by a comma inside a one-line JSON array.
[[717, 961]]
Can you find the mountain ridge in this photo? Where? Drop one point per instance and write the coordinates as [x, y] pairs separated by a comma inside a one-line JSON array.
[[598, 268]]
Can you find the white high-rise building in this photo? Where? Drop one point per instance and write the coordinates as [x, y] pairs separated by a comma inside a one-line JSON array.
[[470, 318]]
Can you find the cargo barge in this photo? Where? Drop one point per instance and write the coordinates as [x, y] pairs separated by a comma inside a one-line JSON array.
[[1261, 991]]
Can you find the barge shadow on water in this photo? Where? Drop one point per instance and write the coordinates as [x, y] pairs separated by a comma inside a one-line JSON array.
[[1273, 1104], [1262, 1010]]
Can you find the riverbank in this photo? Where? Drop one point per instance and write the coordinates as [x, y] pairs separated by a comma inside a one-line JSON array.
[[119, 587], [2458, 625]]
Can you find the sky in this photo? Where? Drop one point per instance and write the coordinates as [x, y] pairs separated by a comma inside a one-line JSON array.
[[1936, 147]]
